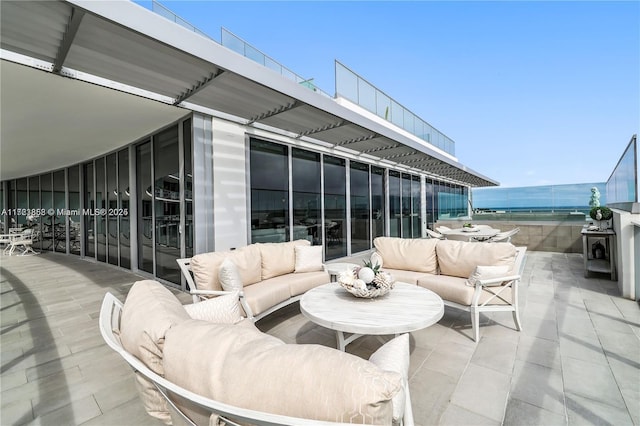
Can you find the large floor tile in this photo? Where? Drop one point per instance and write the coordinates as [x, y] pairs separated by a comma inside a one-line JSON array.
[[520, 413], [483, 391]]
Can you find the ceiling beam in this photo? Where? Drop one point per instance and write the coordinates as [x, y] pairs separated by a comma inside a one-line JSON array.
[[356, 140], [198, 87], [67, 39], [322, 128], [275, 111]]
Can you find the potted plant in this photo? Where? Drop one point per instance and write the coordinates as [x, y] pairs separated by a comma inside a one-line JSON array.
[[601, 214]]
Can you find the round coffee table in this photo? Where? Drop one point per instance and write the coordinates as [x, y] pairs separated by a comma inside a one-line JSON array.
[[404, 309]]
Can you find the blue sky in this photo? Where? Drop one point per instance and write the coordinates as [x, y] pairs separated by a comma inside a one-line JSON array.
[[533, 93]]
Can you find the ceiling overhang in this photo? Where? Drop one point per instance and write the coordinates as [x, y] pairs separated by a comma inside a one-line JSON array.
[[124, 43]]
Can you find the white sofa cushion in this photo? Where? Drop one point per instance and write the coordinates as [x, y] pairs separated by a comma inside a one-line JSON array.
[[459, 258], [455, 289], [394, 356], [487, 273], [149, 310], [205, 266], [222, 309], [417, 255], [229, 276], [308, 258], [279, 258], [245, 368]]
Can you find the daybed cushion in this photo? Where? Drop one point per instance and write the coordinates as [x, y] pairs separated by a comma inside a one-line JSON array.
[[249, 369], [149, 311], [459, 258], [455, 289], [279, 258], [205, 266], [417, 255]]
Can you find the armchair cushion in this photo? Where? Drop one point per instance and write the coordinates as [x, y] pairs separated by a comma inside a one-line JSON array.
[[459, 259], [486, 273], [417, 255]]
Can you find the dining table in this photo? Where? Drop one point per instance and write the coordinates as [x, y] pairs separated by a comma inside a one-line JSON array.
[[474, 233]]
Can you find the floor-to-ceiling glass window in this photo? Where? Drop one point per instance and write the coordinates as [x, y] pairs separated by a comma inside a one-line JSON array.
[[90, 205], [429, 203], [74, 207], [145, 214], [34, 221], [335, 207], [406, 205], [269, 172], [101, 205], [59, 205], [112, 206], [360, 211], [22, 202], [395, 208], [377, 201], [307, 204], [416, 208], [124, 210], [188, 187], [49, 220], [167, 203]]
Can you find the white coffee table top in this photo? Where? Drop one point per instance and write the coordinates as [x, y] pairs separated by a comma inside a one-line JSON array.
[[406, 308]]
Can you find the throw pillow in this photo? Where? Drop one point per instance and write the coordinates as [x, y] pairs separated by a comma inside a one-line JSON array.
[[487, 273], [221, 309], [308, 258], [394, 356], [229, 276]]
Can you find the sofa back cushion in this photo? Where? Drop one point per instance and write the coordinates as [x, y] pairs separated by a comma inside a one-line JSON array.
[[149, 311], [279, 258], [206, 266], [417, 255], [249, 369], [460, 258]]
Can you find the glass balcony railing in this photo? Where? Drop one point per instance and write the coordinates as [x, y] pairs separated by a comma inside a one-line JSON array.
[[356, 89], [163, 11], [235, 43], [622, 186]]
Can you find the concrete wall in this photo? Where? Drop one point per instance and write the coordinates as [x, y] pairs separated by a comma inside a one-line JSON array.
[[627, 254], [561, 237]]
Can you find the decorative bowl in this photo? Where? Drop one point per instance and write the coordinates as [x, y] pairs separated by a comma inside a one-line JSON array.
[[470, 229], [381, 285]]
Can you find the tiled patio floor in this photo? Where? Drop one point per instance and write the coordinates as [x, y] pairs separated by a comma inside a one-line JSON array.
[[576, 362]]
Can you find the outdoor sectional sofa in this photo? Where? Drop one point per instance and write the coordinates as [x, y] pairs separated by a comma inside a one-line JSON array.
[[205, 364], [269, 275], [472, 276]]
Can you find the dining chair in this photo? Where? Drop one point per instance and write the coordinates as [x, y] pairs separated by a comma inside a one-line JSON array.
[[434, 234]]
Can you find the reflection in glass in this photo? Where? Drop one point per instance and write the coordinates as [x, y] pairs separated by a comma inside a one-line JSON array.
[[47, 221], [307, 215], [377, 201], [74, 207], [429, 203], [145, 217], [112, 205], [406, 205], [269, 192], [395, 214], [101, 219], [188, 188], [59, 222], [416, 207], [21, 201], [166, 168], [335, 212], [360, 223], [89, 203], [34, 203], [124, 209]]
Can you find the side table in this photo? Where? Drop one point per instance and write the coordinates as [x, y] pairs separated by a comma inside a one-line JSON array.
[[594, 261]]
